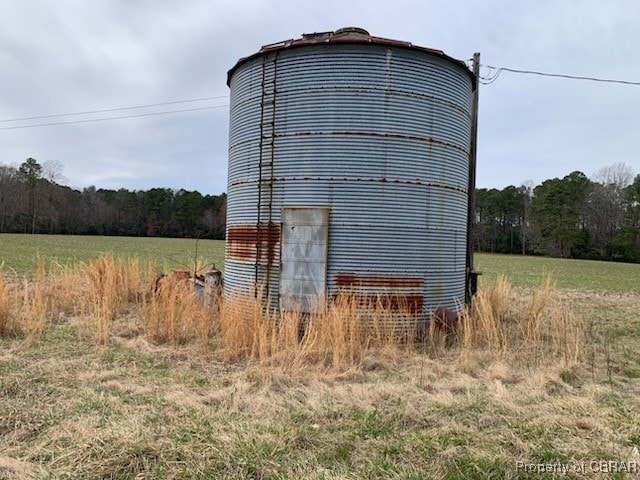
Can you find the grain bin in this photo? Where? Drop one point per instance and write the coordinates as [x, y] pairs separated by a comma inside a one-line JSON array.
[[349, 169]]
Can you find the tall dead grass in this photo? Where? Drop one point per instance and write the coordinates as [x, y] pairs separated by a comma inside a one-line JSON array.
[[8, 325], [175, 315], [503, 323], [25, 305], [65, 288], [35, 304], [32, 302], [526, 327], [332, 338], [113, 284]]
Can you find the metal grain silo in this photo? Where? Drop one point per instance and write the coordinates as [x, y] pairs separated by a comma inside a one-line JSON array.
[[349, 169]]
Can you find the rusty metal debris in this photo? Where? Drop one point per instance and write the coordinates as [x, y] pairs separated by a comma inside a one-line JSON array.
[[207, 286]]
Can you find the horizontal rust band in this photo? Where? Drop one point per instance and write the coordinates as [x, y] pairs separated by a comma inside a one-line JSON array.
[[412, 304], [253, 233], [388, 281], [251, 242], [348, 133], [417, 181]]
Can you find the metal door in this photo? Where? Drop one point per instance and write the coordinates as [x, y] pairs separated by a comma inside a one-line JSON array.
[[303, 273]]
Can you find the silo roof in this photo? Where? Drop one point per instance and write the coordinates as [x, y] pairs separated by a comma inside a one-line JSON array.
[[346, 35]]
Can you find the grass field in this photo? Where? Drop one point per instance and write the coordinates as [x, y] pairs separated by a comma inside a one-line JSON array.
[[20, 252], [526, 271], [99, 380]]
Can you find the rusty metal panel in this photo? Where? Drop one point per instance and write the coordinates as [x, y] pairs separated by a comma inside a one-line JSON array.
[[303, 270], [394, 292], [246, 243], [377, 132]]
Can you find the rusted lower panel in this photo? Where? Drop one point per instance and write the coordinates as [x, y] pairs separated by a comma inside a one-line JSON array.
[[412, 304], [346, 280], [245, 242], [392, 292]]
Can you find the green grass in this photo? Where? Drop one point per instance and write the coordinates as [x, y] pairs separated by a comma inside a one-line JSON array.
[[525, 271], [19, 253]]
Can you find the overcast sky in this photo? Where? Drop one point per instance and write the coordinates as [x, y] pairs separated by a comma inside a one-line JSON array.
[[68, 56]]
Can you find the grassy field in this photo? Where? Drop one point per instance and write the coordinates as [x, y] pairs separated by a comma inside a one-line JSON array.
[[100, 380], [526, 271], [19, 253]]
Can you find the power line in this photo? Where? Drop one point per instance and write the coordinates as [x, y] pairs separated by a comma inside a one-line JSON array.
[[114, 109], [489, 80], [88, 120], [484, 80], [499, 70]]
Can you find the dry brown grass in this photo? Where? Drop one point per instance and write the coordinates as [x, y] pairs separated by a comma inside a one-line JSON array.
[[500, 324], [36, 304], [113, 284], [66, 289], [229, 390], [529, 329], [8, 325], [175, 314], [335, 338], [101, 291]]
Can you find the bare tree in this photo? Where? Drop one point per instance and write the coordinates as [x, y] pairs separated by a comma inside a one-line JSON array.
[[619, 174], [606, 205], [52, 171], [51, 195]]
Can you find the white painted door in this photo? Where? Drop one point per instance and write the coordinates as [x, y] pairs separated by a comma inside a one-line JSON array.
[[303, 272]]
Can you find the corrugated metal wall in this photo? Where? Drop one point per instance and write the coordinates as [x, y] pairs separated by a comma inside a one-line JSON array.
[[379, 135]]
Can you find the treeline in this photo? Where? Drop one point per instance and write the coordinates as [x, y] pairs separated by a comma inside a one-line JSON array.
[[570, 217], [32, 201]]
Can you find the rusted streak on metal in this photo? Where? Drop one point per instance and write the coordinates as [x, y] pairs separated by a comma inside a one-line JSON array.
[[239, 182], [447, 187], [243, 241], [416, 181], [347, 280], [430, 140], [392, 92], [412, 304]]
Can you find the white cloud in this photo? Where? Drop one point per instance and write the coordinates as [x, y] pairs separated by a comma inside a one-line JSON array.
[[73, 55]]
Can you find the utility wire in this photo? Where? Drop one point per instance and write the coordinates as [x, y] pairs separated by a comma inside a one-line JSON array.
[[491, 79], [114, 109], [88, 120], [493, 76]]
